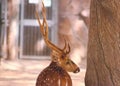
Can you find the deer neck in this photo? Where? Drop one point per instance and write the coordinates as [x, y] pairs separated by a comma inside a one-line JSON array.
[[54, 63]]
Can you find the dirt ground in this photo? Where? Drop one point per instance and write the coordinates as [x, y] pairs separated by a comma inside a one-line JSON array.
[[25, 72]]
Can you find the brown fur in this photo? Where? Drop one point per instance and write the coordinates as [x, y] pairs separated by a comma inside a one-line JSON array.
[[54, 75]]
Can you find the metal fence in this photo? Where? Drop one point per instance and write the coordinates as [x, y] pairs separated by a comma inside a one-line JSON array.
[[31, 43]]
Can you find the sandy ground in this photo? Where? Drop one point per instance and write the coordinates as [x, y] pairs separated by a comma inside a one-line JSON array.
[[25, 72]]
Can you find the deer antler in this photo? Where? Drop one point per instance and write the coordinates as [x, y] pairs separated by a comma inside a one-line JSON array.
[[65, 48], [44, 32]]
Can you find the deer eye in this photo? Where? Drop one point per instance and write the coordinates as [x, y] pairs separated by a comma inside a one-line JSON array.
[[67, 62], [62, 56]]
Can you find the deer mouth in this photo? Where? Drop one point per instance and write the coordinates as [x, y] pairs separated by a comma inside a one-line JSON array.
[[77, 70]]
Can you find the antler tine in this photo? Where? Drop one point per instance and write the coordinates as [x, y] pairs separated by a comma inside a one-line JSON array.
[[65, 46], [69, 49], [44, 31], [41, 26], [44, 19]]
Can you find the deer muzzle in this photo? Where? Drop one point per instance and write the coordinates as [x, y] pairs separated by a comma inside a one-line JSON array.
[[77, 70]]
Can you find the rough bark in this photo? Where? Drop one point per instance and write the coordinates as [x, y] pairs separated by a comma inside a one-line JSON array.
[[103, 61]]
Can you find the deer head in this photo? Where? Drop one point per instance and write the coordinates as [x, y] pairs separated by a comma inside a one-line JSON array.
[[60, 56]]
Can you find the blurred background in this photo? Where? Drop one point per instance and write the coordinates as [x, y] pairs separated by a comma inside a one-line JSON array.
[[22, 49]]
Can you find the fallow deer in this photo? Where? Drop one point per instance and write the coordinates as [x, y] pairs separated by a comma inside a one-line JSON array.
[[55, 74]]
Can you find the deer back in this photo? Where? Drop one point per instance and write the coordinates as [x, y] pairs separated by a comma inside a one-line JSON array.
[[54, 75]]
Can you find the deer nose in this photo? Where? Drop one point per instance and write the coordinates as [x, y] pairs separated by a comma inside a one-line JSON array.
[[77, 70]]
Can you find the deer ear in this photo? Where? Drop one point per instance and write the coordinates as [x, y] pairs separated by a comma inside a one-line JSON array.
[[54, 59], [54, 56]]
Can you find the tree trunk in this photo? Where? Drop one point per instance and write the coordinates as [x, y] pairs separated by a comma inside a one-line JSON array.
[[12, 29], [103, 62]]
